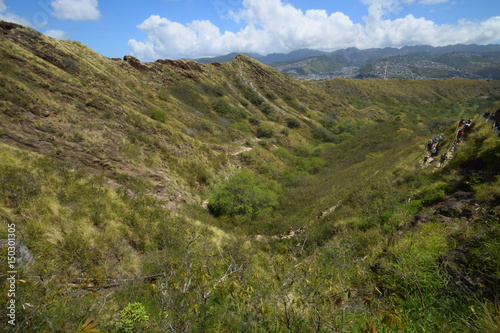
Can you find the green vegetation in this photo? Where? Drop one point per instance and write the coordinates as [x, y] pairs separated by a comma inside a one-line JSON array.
[[171, 196], [132, 317], [243, 194]]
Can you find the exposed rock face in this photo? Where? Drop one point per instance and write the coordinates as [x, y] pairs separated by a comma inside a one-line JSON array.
[[5, 27], [136, 63], [182, 64], [457, 205], [23, 254]]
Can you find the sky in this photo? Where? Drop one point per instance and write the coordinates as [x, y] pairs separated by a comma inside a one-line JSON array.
[[174, 29]]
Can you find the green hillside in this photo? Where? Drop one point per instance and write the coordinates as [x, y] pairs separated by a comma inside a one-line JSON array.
[[486, 65], [179, 197], [410, 62]]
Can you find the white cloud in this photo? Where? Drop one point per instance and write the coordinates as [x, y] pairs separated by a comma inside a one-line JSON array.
[[431, 2], [9, 17], [58, 34], [76, 10], [276, 26]]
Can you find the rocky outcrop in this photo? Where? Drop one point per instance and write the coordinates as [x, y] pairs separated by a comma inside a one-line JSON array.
[[456, 205], [136, 63], [182, 64], [22, 253]]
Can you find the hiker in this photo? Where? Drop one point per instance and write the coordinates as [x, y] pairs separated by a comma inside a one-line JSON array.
[[467, 125], [429, 145], [461, 123], [496, 130]]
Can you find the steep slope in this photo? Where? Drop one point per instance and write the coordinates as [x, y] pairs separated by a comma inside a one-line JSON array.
[[174, 196], [124, 109]]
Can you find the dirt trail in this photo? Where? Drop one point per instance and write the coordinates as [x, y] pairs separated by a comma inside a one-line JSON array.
[[239, 150]]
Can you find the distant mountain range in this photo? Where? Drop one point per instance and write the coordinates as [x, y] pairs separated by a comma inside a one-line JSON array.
[[410, 62]]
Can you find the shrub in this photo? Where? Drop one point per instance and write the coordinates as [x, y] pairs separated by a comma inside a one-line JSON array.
[[254, 121], [132, 316], [265, 132], [18, 184], [241, 127], [293, 123], [329, 120], [251, 95], [266, 108], [243, 194], [70, 65], [322, 134], [163, 95], [223, 107], [210, 89], [272, 117], [270, 95], [157, 114]]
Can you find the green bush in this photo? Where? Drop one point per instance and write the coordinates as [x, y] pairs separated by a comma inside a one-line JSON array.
[[240, 126], [251, 95], [254, 121], [223, 107], [163, 95], [210, 89], [270, 95], [322, 134], [245, 193], [133, 316], [266, 108], [17, 184], [293, 123], [265, 132], [157, 114]]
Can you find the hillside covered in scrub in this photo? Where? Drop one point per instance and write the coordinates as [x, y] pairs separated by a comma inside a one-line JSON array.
[[175, 196]]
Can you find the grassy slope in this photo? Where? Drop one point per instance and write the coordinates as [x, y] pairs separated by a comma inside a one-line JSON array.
[[104, 167]]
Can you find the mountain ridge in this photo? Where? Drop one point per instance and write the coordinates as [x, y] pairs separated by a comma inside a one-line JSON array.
[[353, 62]]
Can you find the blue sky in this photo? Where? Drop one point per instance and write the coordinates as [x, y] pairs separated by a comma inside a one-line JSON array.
[[152, 29]]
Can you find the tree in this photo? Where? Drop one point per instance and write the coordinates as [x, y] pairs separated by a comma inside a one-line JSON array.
[[244, 193]]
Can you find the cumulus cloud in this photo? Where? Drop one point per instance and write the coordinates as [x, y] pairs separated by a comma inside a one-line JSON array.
[[277, 26], [76, 10], [432, 2], [58, 34], [9, 17]]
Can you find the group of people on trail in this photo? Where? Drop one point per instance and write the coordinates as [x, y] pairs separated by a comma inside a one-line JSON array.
[[495, 119], [463, 129], [432, 148]]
